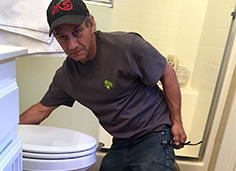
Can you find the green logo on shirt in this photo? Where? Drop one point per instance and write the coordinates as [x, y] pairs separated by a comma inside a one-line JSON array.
[[108, 84]]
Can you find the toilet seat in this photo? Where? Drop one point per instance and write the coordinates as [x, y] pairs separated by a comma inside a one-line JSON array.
[[50, 148]]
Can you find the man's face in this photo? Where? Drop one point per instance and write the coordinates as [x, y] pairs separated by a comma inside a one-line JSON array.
[[77, 41]]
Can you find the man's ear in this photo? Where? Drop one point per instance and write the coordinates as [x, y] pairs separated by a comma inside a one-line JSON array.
[[92, 24]]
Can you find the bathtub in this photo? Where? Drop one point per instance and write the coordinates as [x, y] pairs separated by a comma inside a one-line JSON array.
[[189, 100]]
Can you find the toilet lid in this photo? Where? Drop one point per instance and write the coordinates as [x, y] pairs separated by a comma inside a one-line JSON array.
[[34, 155], [52, 140]]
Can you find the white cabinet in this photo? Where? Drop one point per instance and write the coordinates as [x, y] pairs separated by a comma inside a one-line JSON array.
[[10, 146]]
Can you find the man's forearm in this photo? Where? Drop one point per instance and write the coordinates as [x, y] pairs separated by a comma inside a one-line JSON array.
[[172, 92], [35, 114], [173, 98]]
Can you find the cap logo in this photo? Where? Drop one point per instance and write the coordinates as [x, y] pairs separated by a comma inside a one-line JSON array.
[[64, 5]]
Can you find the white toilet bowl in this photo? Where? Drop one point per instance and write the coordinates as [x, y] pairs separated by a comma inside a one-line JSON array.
[[56, 149]]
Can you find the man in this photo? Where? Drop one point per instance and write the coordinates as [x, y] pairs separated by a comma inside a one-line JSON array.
[[115, 75]]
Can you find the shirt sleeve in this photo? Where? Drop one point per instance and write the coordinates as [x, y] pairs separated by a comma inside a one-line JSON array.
[[55, 96], [147, 62]]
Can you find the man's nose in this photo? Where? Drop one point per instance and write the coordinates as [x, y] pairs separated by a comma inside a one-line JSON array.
[[73, 43]]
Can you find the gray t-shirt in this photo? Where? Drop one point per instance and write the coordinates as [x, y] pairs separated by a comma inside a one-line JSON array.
[[118, 85]]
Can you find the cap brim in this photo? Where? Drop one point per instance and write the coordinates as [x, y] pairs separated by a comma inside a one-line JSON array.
[[68, 19]]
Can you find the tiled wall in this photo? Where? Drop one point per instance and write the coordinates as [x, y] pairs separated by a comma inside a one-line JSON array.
[[173, 27], [210, 51], [194, 31]]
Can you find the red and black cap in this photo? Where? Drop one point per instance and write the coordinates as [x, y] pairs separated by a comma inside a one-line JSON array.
[[62, 12]]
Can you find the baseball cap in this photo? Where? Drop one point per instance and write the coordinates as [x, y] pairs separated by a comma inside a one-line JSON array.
[[61, 12]]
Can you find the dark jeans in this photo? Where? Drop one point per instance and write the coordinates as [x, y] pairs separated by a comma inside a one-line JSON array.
[[142, 154]]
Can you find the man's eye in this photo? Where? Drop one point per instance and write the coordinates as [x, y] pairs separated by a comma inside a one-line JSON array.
[[61, 37], [76, 33]]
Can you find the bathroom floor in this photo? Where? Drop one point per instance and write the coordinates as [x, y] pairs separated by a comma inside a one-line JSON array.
[[96, 166], [100, 156]]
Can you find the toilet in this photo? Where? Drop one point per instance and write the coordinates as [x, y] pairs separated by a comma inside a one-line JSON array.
[[56, 149]]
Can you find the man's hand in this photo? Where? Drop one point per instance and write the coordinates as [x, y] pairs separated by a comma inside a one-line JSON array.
[[179, 135]]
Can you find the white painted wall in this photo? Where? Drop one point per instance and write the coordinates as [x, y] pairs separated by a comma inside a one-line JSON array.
[[227, 154], [35, 73]]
